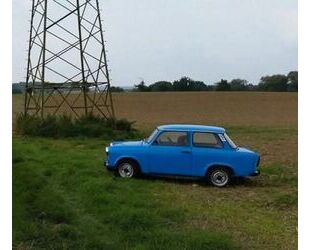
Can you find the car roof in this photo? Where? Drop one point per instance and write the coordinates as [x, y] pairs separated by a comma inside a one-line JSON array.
[[192, 127]]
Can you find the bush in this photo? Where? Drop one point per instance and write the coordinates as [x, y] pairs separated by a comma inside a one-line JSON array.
[[85, 126]]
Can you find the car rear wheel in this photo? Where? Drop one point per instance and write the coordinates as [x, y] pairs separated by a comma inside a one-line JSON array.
[[127, 169], [219, 177]]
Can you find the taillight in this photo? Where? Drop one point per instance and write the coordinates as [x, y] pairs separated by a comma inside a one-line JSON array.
[[258, 161]]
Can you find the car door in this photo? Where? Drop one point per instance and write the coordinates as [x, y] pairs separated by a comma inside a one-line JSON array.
[[170, 153]]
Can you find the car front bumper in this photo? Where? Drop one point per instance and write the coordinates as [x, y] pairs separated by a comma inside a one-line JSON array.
[[107, 166]]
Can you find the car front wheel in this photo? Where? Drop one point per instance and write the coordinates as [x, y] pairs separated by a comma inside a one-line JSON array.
[[219, 177], [127, 169]]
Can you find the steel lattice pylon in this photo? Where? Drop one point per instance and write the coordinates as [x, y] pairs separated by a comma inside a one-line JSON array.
[[67, 69]]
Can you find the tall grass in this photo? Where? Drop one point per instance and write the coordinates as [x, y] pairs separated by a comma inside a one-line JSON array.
[[85, 126]]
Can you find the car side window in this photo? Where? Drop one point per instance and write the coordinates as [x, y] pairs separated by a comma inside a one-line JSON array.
[[172, 138], [204, 139]]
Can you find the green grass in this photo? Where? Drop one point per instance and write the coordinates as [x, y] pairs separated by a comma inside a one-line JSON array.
[[64, 199]]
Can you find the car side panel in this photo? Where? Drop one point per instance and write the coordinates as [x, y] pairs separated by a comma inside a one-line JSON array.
[[137, 153], [204, 158]]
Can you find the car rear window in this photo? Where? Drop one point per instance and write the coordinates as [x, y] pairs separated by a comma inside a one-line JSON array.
[[204, 139]]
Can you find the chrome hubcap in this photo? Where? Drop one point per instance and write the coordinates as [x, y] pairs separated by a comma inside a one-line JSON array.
[[219, 178], [125, 170]]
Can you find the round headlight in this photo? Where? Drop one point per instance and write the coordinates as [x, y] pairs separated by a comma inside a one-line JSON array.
[[107, 149]]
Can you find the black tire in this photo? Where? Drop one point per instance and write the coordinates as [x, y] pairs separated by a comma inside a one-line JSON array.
[[219, 176], [127, 169]]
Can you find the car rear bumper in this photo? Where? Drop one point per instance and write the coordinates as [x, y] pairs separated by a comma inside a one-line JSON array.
[[256, 173]]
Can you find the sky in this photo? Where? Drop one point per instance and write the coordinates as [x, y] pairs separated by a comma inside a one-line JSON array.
[[207, 40]]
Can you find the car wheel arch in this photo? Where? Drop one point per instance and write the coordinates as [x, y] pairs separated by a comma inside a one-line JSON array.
[[124, 159], [215, 166]]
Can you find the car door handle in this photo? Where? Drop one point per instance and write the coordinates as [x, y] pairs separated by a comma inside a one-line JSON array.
[[185, 151]]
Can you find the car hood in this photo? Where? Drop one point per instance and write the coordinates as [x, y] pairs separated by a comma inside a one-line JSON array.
[[126, 143]]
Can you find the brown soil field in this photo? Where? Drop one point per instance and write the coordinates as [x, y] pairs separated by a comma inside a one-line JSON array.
[[218, 108], [258, 109]]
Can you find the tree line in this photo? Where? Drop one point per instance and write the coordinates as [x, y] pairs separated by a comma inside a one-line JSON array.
[[278, 83]]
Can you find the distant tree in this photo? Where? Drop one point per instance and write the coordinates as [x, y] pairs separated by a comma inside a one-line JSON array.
[[273, 83], [210, 88], [238, 85], [16, 88], [223, 85], [198, 86], [116, 89], [292, 81], [142, 87], [16, 91], [182, 84], [252, 87], [187, 84], [161, 86]]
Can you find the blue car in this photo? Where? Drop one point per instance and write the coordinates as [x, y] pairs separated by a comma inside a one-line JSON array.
[[194, 151]]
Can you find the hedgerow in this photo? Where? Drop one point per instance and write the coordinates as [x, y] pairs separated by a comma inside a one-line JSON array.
[[85, 126]]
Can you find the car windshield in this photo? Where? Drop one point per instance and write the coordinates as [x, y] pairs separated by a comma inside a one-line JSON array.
[[231, 143], [148, 140]]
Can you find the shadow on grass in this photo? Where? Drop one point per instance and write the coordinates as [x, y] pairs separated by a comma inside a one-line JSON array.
[[202, 182], [264, 180]]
